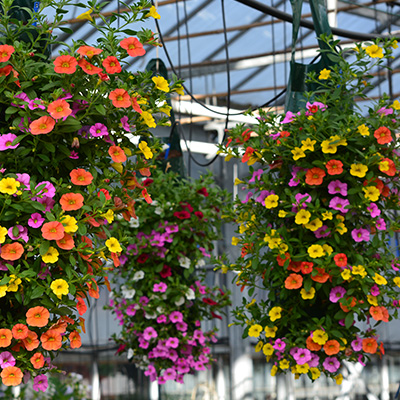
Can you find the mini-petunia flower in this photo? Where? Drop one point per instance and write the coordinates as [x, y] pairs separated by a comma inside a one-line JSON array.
[[6, 142], [133, 47]]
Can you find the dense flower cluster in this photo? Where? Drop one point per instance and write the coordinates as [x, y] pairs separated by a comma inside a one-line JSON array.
[[164, 297], [316, 222]]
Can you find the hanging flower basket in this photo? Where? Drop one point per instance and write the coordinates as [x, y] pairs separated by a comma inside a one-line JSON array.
[[317, 220], [163, 297]]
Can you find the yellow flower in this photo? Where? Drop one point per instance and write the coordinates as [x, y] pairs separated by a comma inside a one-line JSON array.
[[307, 295], [238, 181], [346, 274], [284, 364], [9, 186], [13, 283], [379, 279], [314, 224], [308, 144], [153, 13], [358, 170], [86, 16], [270, 332], [70, 224], [179, 89], [259, 346], [166, 110], [109, 216], [161, 83], [320, 337], [274, 242], [363, 130], [325, 74], [251, 303], [3, 233], [59, 287], [271, 201], [274, 370], [255, 330], [397, 281], [268, 350], [275, 313], [371, 193], [328, 249], [394, 44], [339, 140], [282, 214], [302, 217], [3, 290], [144, 148], [51, 255], [374, 51], [327, 215], [283, 248], [341, 228], [235, 241], [113, 245], [372, 300], [315, 251], [298, 153], [396, 105], [315, 373], [359, 270], [148, 119], [384, 166], [302, 369], [327, 147], [339, 379], [242, 228]]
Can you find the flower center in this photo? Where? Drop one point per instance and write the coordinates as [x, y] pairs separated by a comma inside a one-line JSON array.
[[65, 65]]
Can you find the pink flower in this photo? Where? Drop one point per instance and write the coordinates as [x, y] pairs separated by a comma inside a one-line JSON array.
[[336, 294], [312, 108], [6, 142], [20, 233], [337, 187], [331, 364], [181, 326], [289, 117], [356, 344], [35, 221], [375, 290], [124, 123], [313, 363], [47, 189], [279, 345], [24, 179], [337, 203], [149, 333], [176, 316], [385, 111], [40, 383], [130, 310], [6, 359], [302, 356], [98, 130], [374, 210], [36, 103], [380, 224], [161, 319], [172, 342], [74, 155], [360, 235], [160, 287]]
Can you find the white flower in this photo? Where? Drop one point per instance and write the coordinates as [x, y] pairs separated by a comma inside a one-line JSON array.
[[127, 293], [138, 276], [158, 210], [154, 203], [160, 310], [200, 263], [134, 222], [184, 262], [180, 301], [150, 316], [190, 294], [129, 355]]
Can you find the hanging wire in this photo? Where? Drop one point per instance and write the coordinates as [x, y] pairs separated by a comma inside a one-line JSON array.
[[376, 29], [273, 53]]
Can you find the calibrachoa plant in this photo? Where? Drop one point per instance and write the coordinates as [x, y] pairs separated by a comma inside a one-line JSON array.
[[316, 222], [164, 298], [67, 165]]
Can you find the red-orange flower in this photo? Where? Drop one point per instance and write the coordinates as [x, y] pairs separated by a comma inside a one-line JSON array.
[[340, 259], [112, 65], [369, 345], [5, 71], [120, 98], [5, 337], [81, 306], [75, 340], [89, 68], [334, 167], [136, 107], [11, 251], [59, 109], [81, 177], [71, 201], [93, 289], [51, 340], [65, 64], [88, 51], [31, 342], [19, 331], [352, 304], [66, 242], [383, 135], [37, 360], [117, 154], [311, 345], [5, 52], [376, 313], [331, 347], [37, 316], [293, 281], [42, 125], [281, 259], [392, 168], [132, 46], [11, 376], [306, 267], [321, 275], [314, 176], [247, 154], [53, 230]]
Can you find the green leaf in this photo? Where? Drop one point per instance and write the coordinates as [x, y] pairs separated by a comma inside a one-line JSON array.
[[37, 292], [348, 322], [100, 109], [82, 229], [44, 247]]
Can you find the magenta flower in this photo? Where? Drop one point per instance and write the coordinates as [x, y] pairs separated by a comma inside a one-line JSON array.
[[385, 111], [331, 364], [35, 221], [312, 108], [169, 374], [256, 174], [322, 232], [182, 366], [198, 334], [374, 210], [144, 344], [336, 294], [172, 342], [199, 366], [356, 344], [6, 142], [313, 363], [131, 310], [182, 326], [380, 224], [40, 383], [48, 202], [302, 356], [360, 235], [20, 231], [375, 290], [289, 117], [160, 287], [98, 130], [149, 333], [36, 103], [161, 319], [24, 179], [176, 316], [337, 187], [337, 203], [172, 228], [74, 155], [6, 359], [47, 190], [124, 123], [279, 345]]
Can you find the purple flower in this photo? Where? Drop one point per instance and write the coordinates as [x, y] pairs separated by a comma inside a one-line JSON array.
[[160, 287], [176, 316], [322, 232], [36, 220], [6, 142], [48, 202], [172, 342], [337, 187], [331, 364], [98, 130], [374, 210], [360, 235], [6, 359], [336, 294], [74, 155], [279, 345], [149, 333], [380, 224], [313, 363], [375, 290], [356, 344], [40, 383], [262, 195], [3, 267], [302, 356], [337, 203]]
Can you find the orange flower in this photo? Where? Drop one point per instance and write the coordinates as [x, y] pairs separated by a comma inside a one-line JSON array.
[[59, 109], [42, 125], [75, 340], [66, 243], [117, 154], [321, 276], [369, 345], [31, 342], [37, 360], [59, 327], [5, 52], [392, 168], [5, 337], [352, 304], [376, 313], [383, 135], [112, 65], [136, 107], [11, 251], [90, 69], [51, 340], [88, 51], [311, 345], [20, 331], [11, 376], [293, 281], [334, 167], [65, 64], [281, 259], [53, 230], [132, 46], [37, 316], [93, 290], [81, 306], [81, 177], [294, 266], [314, 176], [331, 347], [5, 71], [340, 260], [306, 267], [120, 98], [71, 201], [247, 154]]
